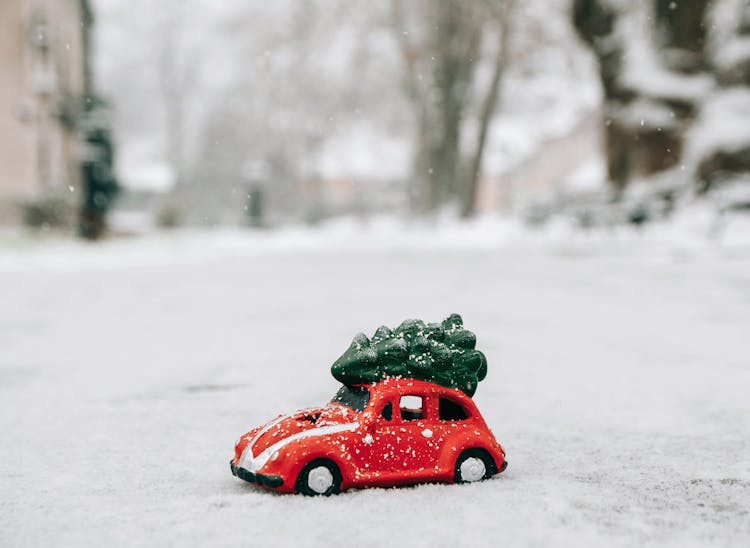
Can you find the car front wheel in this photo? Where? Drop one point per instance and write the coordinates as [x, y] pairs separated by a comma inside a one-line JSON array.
[[319, 477], [473, 465]]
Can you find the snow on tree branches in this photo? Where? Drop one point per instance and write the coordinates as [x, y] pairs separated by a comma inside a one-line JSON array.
[[442, 353]]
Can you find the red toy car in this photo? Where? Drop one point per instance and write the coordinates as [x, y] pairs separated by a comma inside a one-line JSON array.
[[394, 432]]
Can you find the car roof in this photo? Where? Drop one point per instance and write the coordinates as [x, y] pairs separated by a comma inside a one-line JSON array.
[[393, 385]]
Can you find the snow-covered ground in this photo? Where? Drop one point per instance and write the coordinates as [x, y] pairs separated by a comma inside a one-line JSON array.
[[618, 383]]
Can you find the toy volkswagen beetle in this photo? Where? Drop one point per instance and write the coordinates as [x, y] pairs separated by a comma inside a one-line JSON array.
[[392, 432]]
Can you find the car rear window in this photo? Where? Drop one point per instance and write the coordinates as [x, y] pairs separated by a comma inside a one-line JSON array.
[[355, 397], [450, 410]]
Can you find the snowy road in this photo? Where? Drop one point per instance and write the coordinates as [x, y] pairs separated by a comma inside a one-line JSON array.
[[619, 383]]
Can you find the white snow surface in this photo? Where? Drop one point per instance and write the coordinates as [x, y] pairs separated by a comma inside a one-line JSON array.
[[618, 384]]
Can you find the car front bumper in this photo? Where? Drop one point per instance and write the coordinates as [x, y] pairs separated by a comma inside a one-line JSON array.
[[253, 477]]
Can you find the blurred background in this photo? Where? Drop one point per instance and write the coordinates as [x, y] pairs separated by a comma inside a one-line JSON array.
[[126, 117], [264, 179]]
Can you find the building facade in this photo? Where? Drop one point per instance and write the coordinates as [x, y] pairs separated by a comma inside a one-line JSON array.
[[45, 78]]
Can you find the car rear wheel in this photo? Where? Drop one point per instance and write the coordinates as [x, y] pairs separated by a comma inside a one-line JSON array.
[[319, 477], [474, 465]]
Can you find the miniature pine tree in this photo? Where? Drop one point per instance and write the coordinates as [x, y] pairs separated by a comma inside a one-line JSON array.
[[441, 353]]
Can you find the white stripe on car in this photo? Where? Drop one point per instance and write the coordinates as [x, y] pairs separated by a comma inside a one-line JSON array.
[[252, 463]]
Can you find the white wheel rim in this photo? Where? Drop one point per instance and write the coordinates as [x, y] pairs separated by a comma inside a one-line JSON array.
[[320, 479], [472, 469]]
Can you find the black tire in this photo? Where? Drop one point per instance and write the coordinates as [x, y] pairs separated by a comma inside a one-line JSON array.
[[303, 480], [490, 468]]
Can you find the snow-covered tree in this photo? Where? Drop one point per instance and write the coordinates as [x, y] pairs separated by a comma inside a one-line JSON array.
[[674, 75]]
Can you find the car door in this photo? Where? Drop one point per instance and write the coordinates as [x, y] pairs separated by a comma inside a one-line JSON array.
[[376, 452], [396, 447], [417, 449]]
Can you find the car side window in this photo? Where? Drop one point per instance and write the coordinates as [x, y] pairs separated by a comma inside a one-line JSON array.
[[450, 410], [387, 412], [412, 407]]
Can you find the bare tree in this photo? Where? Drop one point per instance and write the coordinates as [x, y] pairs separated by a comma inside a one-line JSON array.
[[300, 83], [501, 18], [440, 45], [177, 65]]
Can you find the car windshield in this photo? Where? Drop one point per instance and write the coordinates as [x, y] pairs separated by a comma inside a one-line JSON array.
[[355, 397]]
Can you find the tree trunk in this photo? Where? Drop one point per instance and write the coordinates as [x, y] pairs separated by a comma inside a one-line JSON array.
[[437, 80], [469, 192]]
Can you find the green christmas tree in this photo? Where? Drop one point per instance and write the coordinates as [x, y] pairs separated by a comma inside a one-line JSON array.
[[442, 353]]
